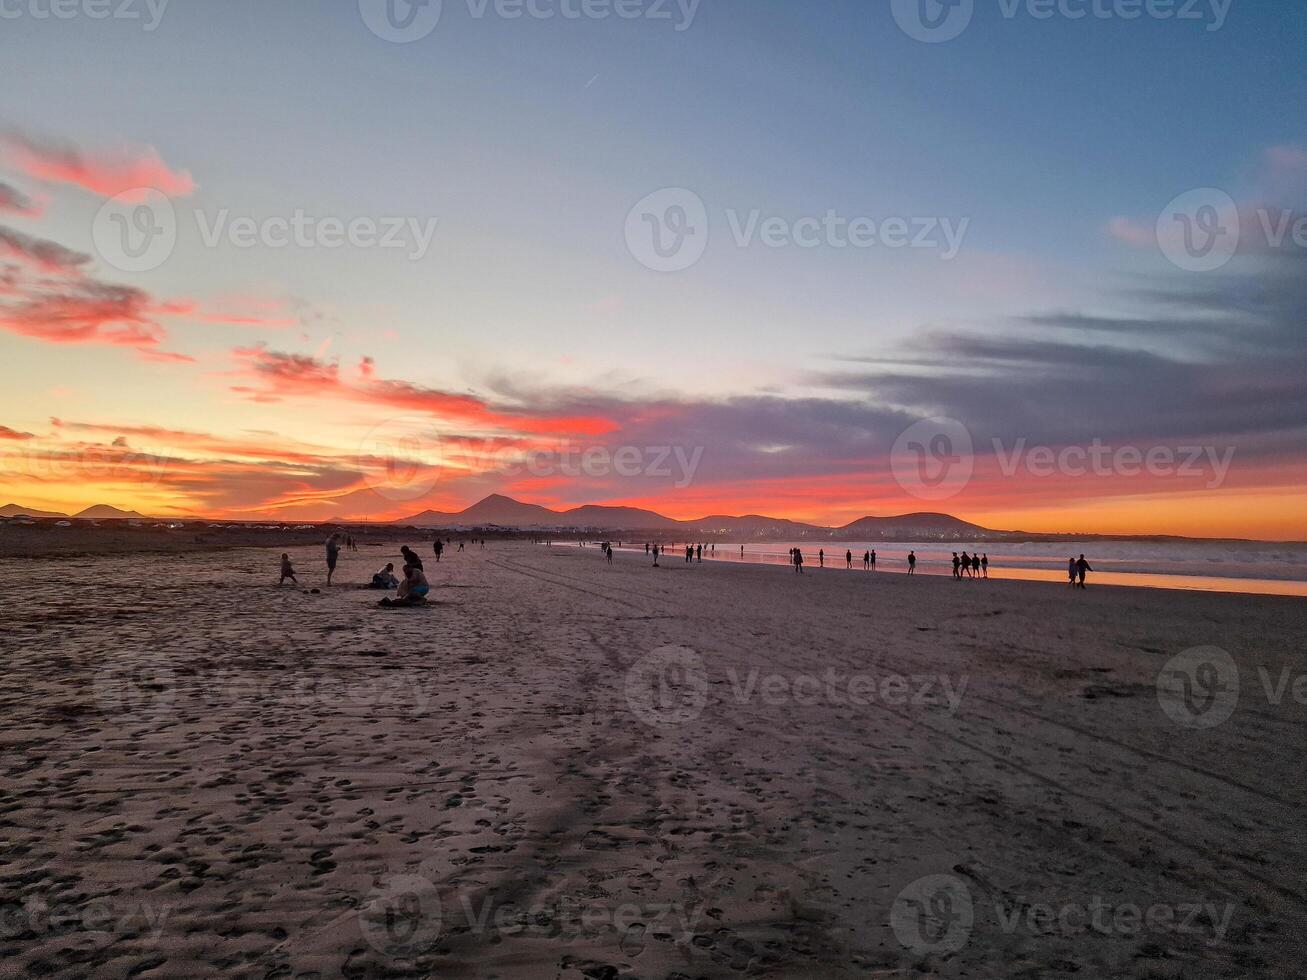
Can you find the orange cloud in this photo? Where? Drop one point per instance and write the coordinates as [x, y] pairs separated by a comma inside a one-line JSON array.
[[279, 375]]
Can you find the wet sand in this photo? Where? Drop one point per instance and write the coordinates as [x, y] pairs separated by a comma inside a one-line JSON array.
[[568, 769]]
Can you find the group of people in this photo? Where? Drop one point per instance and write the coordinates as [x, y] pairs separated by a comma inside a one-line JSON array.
[[970, 566], [410, 590], [1076, 569]]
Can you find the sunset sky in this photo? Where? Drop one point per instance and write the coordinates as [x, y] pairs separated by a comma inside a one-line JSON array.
[[516, 340]]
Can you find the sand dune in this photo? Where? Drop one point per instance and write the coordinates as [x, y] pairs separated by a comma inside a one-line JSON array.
[[567, 769]]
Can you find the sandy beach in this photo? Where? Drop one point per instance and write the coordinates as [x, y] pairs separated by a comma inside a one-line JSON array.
[[563, 768]]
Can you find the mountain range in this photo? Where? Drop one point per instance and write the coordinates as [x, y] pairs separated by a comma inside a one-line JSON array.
[[100, 512], [506, 512]]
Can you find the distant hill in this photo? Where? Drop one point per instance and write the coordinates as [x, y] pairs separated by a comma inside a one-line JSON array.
[[103, 512], [507, 512], [888, 526], [13, 510]]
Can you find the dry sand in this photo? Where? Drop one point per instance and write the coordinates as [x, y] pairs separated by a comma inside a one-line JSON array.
[[566, 769]]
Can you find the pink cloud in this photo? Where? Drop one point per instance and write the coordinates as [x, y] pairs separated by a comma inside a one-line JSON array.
[[14, 435], [106, 173]]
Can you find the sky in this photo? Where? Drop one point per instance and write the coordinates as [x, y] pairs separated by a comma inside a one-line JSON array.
[[1038, 265]]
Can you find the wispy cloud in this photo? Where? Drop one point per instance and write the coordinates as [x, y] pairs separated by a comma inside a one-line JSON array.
[[106, 173]]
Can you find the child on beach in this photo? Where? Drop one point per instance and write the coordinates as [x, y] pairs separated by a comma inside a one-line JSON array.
[[287, 571]]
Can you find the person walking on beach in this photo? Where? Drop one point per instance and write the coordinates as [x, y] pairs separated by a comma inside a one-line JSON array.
[[873, 559], [912, 563], [798, 562], [966, 564], [848, 559], [957, 566], [608, 549], [866, 561], [1082, 566], [439, 549], [287, 571], [1071, 572], [821, 557], [333, 554], [984, 565], [699, 554], [655, 554]]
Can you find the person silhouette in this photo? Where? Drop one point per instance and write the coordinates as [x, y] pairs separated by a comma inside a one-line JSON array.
[[873, 559], [821, 558], [798, 561], [848, 559], [1071, 571], [984, 564], [957, 566], [1082, 567], [912, 563]]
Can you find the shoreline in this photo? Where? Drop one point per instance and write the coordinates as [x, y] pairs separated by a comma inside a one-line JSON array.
[[1167, 582]]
